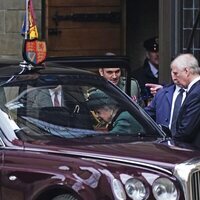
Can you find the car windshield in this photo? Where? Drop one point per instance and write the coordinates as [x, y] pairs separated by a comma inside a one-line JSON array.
[[38, 106]]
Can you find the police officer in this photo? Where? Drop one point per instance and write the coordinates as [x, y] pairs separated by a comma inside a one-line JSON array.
[[149, 72]]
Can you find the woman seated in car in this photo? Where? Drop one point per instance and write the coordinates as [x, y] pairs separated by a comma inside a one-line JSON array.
[[107, 109]]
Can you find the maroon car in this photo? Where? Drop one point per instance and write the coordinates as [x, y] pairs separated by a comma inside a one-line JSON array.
[[68, 152]]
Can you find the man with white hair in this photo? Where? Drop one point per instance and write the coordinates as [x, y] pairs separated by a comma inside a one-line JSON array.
[[185, 71]]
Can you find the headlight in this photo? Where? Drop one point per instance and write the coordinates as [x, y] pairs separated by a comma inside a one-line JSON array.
[[163, 188], [118, 190], [136, 189]]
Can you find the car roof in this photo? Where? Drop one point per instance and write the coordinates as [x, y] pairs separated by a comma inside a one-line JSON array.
[[79, 62], [9, 69], [73, 64], [93, 61]]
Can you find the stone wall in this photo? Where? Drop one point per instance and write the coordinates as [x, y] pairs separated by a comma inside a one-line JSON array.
[[11, 19]]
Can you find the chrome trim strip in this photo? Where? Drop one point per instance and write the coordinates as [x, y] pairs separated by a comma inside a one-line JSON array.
[[14, 148], [103, 157], [184, 172], [2, 143]]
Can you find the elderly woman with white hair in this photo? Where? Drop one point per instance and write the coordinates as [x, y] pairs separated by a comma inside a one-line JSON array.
[[107, 109]]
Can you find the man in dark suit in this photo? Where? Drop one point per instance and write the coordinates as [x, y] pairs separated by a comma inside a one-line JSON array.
[[185, 71], [149, 72], [49, 97]]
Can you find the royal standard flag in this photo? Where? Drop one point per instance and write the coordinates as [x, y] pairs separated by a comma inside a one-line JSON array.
[[29, 28]]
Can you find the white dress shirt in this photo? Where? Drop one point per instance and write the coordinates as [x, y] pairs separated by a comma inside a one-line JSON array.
[[52, 93], [154, 70]]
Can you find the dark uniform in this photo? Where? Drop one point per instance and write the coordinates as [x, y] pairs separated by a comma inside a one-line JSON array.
[[144, 74]]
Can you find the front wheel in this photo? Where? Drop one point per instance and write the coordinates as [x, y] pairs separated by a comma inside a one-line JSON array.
[[65, 197]]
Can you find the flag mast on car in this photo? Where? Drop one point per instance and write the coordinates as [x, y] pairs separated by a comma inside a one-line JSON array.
[[34, 50], [26, 21]]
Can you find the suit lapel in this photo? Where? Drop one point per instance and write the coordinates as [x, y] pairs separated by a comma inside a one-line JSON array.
[[148, 71], [48, 98], [194, 87], [184, 105]]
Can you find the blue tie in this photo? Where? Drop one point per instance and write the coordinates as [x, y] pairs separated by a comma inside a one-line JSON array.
[[177, 106]]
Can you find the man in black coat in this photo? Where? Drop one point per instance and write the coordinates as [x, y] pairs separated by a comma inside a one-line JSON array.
[[149, 72]]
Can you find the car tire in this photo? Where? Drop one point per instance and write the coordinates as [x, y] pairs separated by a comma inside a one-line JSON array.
[[65, 197]]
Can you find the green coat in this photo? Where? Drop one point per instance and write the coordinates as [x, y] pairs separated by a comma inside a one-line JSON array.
[[123, 122]]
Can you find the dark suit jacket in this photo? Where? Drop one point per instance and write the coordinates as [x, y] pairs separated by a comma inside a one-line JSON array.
[[160, 106], [43, 99], [188, 122], [67, 114], [144, 75]]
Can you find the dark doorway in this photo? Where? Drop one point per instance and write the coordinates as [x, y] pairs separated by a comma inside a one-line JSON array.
[[142, 23]]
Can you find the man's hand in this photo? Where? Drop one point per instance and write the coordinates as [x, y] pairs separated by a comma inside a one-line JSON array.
[[153, 87]]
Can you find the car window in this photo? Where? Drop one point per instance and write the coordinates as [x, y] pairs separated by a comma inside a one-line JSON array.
[[87, 108]]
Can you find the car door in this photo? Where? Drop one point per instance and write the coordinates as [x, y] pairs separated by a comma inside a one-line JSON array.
[[12, 176]]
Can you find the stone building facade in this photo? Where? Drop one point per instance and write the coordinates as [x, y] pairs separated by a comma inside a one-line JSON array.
[[11, 19], [171, 20]]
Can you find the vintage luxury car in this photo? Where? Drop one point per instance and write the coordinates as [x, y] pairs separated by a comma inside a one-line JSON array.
[[67, 152]]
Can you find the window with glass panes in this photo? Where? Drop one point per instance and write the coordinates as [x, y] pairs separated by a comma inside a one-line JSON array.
[[190, 12]]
